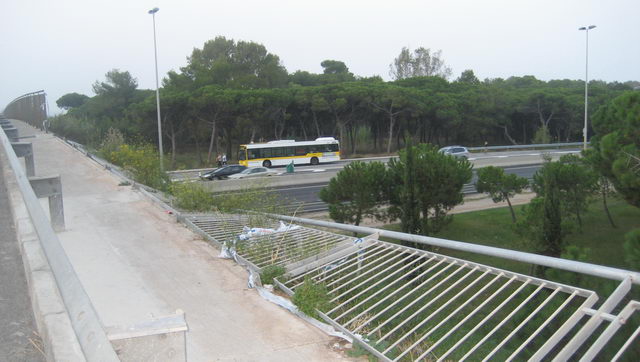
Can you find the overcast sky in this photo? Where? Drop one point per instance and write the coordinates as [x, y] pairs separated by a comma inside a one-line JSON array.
[[64, 46]]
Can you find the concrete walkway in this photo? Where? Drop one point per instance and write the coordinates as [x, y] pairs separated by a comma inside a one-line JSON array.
[[135, 262]]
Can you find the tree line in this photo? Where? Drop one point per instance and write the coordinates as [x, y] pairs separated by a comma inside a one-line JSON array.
[[234, 92], [423, 185]]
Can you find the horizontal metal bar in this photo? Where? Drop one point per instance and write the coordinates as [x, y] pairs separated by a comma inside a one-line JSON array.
[[84, 319], [559, 263], [516, 147]]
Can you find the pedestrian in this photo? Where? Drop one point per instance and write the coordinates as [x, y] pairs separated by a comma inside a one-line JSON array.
[[224, 159], [486, 144], [219, 160]]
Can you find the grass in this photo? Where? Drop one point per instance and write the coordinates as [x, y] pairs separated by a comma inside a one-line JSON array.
[[493, 227]]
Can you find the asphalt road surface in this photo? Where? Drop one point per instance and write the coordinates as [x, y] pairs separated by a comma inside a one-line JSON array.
[[299, 191]]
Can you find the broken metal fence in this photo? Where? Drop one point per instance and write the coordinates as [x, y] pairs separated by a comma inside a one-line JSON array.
[[405, 304]]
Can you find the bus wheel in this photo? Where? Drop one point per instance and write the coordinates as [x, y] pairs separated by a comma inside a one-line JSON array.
[[266, 163], [314, 161]]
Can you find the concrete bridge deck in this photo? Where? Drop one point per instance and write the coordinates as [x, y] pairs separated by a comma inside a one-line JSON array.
[[136, 262]]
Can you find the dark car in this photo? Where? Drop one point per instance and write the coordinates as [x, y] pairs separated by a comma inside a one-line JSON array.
[[222, 172]]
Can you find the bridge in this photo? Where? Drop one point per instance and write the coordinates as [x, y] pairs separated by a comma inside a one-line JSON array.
[[114, 273]]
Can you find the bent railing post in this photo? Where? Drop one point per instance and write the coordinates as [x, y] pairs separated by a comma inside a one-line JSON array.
[[25, 149], [51, 187]]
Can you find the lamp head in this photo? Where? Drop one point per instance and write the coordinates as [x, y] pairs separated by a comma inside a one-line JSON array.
[[153, 11]]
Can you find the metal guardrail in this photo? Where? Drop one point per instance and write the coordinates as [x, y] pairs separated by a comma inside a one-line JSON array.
[[30, 108], [534, 146], [84, 319]]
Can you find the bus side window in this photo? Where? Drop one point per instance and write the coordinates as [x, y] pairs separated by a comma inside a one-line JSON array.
[[301, 151], [289, 151]]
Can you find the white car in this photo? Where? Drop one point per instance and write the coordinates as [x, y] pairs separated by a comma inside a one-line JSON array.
[[457, 151], [253, 172]]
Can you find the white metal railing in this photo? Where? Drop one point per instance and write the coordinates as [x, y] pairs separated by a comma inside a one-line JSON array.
[[557, 263], [402, 303]]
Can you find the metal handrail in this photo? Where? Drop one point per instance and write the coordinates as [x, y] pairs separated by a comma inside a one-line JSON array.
[[84, 319], [558, 263], [515, 147]]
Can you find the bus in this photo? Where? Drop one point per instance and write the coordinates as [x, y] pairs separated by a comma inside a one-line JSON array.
[[281, 153]]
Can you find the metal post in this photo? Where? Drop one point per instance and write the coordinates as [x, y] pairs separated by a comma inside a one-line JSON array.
[[51, 187], [155, 52], [25, 149], [586, 85]]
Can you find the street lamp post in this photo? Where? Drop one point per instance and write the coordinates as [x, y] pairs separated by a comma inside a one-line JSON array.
[[586, 84], [155, 52]]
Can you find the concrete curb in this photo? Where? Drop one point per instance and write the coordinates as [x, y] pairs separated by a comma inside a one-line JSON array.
[[50, 314]]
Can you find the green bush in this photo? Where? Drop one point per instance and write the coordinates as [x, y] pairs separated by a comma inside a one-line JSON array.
[[255, 197], [112, 142], [270, 272], [79, 130], [310, 297], [143, 164], [192, 197]]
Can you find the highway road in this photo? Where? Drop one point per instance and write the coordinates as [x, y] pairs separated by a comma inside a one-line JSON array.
[[478, 160], [300, 190]]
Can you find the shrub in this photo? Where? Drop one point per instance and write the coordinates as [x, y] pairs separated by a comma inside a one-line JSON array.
[[143, 164], [192, 197], [310, 297], [112, 142], [271, 272], [81, 131], [255, 197]]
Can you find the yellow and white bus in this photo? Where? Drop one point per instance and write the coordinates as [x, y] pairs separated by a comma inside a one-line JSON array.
[[280, 153]]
